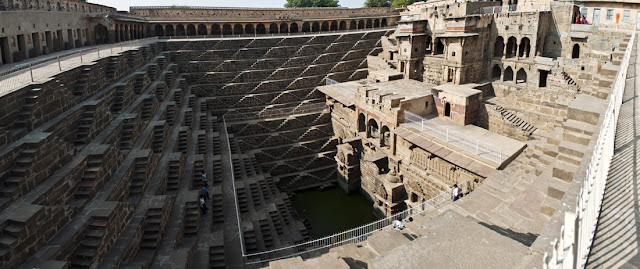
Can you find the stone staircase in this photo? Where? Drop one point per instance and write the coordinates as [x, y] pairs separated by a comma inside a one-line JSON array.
[[526, 128], [85, 124], [82, 82], [91, 242], [26, 110]]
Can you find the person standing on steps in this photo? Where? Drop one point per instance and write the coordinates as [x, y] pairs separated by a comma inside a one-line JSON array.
[[205, 191], [204, 177], [455, 194], [203, 205]]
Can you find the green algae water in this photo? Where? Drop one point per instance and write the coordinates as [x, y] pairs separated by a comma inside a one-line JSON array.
[[331, 210]]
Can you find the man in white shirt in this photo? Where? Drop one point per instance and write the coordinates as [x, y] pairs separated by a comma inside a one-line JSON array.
[[455, 195]]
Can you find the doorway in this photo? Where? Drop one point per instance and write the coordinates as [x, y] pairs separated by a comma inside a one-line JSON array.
[[22, 47], [37, 50], [543, 78], [447, 110], [70, 38], [49, 41], [596, 16], [4, 50]]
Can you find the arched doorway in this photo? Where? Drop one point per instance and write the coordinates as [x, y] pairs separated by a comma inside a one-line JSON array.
[[202, 29], [525, 47], [238, 29], [334, 26], [273, 28], [294, 27], [324, 27], [385, 136], [361, 24], [180, 30], [439, 46], [260, 29], [226, 29], [284, 28], [369, 24], [383, 23], [512, 47], [159, 30], [315, 27], [575, 53], [306, 27], [353, 25], [362, 127], [100, 32], [343, 25], [447, 110], [169, 30], [521, 76], [376, 23], [373, 130], [496, 72], [508, 74], [191, 30], [248, 29]]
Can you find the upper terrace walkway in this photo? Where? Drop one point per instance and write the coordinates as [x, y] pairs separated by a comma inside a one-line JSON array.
[[617, 237]]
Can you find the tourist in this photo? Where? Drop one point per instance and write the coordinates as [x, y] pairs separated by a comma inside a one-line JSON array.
[[203, 205], [204, 177], [397, 224], [455, 195], [205, 191]]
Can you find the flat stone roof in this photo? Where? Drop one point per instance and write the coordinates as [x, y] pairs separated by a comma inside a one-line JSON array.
[[510, 148], [451, 240], [457, 90], [344, 93], [404, 87]]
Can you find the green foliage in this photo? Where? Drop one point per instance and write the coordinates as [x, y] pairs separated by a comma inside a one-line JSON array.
[[311, 3], [377, 3], [402, 3]]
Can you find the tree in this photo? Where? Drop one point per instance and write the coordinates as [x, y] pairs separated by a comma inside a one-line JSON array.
[[377, 3], [402, 3], [311, 3]]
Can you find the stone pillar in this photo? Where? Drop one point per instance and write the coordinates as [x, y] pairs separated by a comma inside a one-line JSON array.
[[504, 52]]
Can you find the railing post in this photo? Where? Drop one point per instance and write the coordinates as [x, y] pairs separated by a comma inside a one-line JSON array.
[[31, 71], [60, 66]]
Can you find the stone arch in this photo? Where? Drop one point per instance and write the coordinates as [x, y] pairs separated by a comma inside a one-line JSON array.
[[362, 126], [148, 31], [159, 30], [525, 47], [127, 35], [226, 29], [315, 27], [508, 74], [498, 47], [180, 30], [369, 24], [575, 52], [101, 34], [117, 33], [353, 25], [215, 29], [324, 27], [169, 31], [260, 29], [385, 136], [191, 30], [273, 28], [383, 23], [361, 24], [238, 29], [376, 23], [521, 76], [294, 27], [248, 29], [202, 29], [496, 72], [372, 128], [334, 26], [512, 47], [306, 27], [343, 25], [284, 28]]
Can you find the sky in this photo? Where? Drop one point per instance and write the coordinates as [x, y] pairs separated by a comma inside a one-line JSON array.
[[124, 4]]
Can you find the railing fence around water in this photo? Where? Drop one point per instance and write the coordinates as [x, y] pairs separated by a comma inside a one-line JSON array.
[[355, 235], [26, 73], [572, 248], [476, 147]]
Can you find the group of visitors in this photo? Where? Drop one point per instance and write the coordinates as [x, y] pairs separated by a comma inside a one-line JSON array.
[[205, 194], [580, 19]]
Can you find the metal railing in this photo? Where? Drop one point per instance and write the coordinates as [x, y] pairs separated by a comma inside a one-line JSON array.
[[476, 147], [224, 36], [336, 84], [278, 112], [355, 235], [231, 8], [571, 248], [233, 183], [26, 73]]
